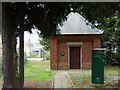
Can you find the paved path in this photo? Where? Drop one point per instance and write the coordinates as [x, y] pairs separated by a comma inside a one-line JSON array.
[[39, 59], [61, 80]]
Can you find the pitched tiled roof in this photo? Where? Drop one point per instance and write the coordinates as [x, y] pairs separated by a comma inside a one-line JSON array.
[[76, 24]]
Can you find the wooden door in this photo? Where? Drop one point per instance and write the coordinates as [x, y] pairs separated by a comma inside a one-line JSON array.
[[74, 57]]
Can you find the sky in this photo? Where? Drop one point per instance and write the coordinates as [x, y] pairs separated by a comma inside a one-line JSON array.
[[30, 38], [34, 38]]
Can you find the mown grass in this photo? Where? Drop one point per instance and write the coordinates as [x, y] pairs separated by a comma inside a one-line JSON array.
[[38, 71], [112, 71], [82, 78], [1, 75]]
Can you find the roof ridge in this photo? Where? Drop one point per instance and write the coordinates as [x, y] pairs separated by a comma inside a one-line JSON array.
[[76, 24]]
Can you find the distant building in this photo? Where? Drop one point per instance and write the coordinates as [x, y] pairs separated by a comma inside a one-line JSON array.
[[34, 50], [32, 47]]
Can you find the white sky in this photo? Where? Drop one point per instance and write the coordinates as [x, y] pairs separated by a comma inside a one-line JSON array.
[[33, 37]]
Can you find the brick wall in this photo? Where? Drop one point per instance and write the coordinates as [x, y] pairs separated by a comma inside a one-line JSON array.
[[59, 44], [62, 60], [53, 53], [86, 54]]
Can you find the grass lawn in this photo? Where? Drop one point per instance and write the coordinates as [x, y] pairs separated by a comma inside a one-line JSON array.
[[82, 78], [1, 76], [38, 74], [111, 71]]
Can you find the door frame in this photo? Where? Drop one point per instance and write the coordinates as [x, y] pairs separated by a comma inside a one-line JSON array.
[[74, 44]]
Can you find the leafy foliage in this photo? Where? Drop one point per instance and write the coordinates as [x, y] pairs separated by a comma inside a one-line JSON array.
[[46, 43], [106, 16], [47, 15], [44, 16]]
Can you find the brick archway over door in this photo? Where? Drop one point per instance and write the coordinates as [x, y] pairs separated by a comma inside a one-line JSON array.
[[75, 58]]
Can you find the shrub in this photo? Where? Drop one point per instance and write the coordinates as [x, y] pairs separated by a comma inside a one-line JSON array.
[[47, 55]]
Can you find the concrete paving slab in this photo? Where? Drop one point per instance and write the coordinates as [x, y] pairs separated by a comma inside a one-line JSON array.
[[38, 59], [61, 80]]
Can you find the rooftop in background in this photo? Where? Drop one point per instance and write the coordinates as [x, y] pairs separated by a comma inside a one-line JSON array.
[[76, 24]]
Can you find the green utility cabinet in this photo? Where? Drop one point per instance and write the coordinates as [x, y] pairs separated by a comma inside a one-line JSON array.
[[98, 59]]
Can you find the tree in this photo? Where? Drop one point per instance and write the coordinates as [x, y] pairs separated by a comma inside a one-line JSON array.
[[8, 65], [105, 16], [19, 17], [46, 16], [45, 41], [110, 39]]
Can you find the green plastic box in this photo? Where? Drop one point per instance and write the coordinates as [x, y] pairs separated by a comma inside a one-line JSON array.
[[98, 60]]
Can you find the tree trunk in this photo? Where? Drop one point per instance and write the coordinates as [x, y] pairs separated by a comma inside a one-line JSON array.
[[21, 59], [15, 55], [8, 66], [21, 47]]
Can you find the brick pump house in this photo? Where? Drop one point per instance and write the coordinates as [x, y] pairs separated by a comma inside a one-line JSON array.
[[72, 47]]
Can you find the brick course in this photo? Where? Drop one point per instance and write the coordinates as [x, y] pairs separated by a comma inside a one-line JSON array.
[[59, 44]]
